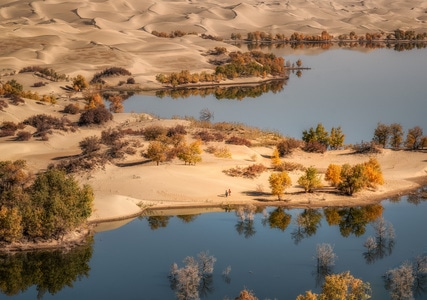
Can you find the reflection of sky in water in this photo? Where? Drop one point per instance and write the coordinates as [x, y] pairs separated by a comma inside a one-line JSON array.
[[344, 88]]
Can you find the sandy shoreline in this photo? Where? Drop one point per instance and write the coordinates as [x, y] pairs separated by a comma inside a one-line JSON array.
[[84, 37]]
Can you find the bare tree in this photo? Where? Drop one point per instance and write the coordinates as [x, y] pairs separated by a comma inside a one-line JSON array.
[[194, 277], [400, 281], [382, 244], [206, 115], [325, 257]]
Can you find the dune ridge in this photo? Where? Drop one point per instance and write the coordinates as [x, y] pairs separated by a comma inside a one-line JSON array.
[[86, 36]]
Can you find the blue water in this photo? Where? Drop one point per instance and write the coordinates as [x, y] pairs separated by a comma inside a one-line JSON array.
[[347, 88], [133, 261]]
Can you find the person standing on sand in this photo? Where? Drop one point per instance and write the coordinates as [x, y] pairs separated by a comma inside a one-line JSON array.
[[229, 192], [226, 193]]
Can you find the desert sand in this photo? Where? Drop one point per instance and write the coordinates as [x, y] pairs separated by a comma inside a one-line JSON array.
[[84, 37]]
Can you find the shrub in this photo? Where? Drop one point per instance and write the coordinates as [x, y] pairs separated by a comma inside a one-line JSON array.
[[286, 146], [10, 126], [366, 148], [45, 123], [110, 136], [178, 129], [39, 84], [289, 167], [113, 71], [310, 180], [222, 152], [98, 115], [23, 136], [315, 147], [90, 145], [72, 109], [152, 133], [130, 80], [251, 171], [3, 105], [238, 141]]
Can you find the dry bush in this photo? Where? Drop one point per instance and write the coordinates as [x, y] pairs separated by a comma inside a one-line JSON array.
[[110, 136], [222, 152], [45, 123], [39, 84], [209, 136], [98, 115], [251, 171], [314, 147], [23, 136], [82, 163], [289, 167], [366, 148], [113, 71], [9, 126], [235, 140], [3, 105], [286, 146], [177, 130], [152, 133], [72, 109]]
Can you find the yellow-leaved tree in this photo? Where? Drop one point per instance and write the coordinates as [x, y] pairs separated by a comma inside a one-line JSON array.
[[333, 174], [279, 182], [373, 172]]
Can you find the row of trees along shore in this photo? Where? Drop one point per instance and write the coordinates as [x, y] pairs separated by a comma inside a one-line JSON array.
[[324, 36], [235, 65]]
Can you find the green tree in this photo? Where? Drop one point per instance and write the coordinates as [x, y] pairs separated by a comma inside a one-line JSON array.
[[64, 205], [336, 138], [381, 134], [310, 180], [319, 135], [157, 151], [10, 224], [353, 179], [279, 182], [413, 138], [396, 135]]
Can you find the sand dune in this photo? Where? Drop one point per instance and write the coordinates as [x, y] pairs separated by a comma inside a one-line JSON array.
[[70, 29]]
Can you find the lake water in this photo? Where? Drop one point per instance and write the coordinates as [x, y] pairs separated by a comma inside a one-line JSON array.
[[274, 261], [348, 88], [351, 89]]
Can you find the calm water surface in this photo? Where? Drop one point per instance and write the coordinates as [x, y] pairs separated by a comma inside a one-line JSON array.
[[347, 88], [133, 261]]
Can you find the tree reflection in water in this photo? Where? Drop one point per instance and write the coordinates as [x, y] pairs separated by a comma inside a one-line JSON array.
[[307, 224], [279, 219], [382, 244], [246, 225], [353, 220], [222, 92], [49, 271]]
